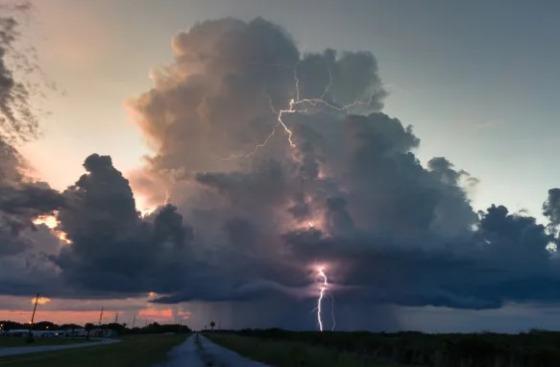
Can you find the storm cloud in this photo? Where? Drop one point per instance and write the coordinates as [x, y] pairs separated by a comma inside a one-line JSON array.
[[336, 182], [277, 161], [113, 247]]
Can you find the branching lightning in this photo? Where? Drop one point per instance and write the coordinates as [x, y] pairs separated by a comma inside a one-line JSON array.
[[298, 104]]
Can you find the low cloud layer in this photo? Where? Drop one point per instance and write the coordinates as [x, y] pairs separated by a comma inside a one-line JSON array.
[[21, 201], [276, 162]]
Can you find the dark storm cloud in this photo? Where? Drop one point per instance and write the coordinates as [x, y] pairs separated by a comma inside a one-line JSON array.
[[505, 260], [114, 248], [19, 205], [348, 193]]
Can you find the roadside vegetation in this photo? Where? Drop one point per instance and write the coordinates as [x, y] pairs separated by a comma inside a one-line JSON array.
[[285, 348], [133, 351], [292, 353]]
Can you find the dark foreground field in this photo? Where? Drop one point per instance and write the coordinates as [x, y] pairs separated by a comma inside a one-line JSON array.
[[133, 351], [329, 349]]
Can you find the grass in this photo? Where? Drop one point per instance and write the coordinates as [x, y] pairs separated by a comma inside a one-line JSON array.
[[132, 351], [21, 342], [284, 353], [535, 348]]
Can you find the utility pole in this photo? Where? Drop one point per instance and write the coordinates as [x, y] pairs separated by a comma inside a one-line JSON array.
[[133, 321], [101, 316], [117, 317], [34, 309], [30, 335]]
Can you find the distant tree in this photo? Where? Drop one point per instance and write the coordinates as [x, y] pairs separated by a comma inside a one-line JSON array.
[[212, 325], [45, 325], [69, 326]]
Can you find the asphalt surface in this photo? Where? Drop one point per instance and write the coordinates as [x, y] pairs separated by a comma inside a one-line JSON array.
[[15, 351], [199, 351]]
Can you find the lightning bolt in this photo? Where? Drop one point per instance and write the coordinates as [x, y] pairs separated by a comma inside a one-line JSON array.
[[322, 288], [298, 104], [283, 124]]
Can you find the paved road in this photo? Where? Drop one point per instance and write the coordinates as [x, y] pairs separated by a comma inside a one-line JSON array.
[[199, 351], [14, 351]]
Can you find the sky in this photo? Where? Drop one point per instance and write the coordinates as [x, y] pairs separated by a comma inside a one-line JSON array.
[[490, 70], [180, 115]]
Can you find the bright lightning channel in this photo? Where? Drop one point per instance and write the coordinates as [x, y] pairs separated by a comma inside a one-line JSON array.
[[283, 124], [322, 289]]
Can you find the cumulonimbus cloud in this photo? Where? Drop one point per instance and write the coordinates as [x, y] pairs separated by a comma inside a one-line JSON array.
[[276, 161], [346, 190]]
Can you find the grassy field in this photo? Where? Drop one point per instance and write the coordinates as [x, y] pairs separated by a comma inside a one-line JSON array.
[[133, 351], [21, 342], [536, 348], [285, 353]]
